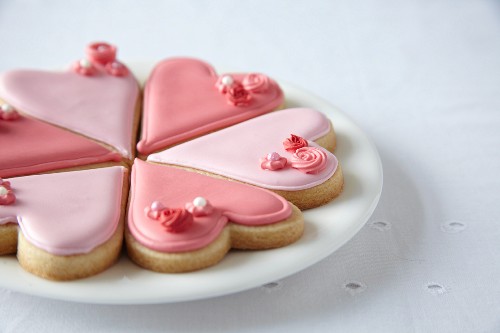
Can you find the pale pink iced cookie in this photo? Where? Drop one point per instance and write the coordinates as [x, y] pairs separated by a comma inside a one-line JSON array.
[[88, 113], [185, 98], [66, 225], [182, 221], [277, 151]]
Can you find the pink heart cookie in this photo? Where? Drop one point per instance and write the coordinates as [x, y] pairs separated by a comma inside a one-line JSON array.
[[70, 221], [96, 98], [221, 214], [236, 152], [185, 98]]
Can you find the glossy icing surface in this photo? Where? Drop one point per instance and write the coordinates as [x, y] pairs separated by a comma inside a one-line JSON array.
[[181, 101], [175, 187], [29, 146], [100, 106], [235, 152], [67, 213]]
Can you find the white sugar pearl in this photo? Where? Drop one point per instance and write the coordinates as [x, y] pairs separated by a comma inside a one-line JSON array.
[[156, 206], [227, 80], [3, 190], [85, 63], [7, 108], [200, 202], [102, 48]]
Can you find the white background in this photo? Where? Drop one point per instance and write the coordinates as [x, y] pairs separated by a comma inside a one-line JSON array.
[[422, 78]]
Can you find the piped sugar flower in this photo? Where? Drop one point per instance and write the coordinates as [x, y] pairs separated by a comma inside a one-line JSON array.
[[7, 196], [116, 68], [235, 92], [273, 161], [199, 207], [7, 112], [84, 67], [255, 82], [294, 142], [173, 219], [101, 53], [309, 160], [224, 82]]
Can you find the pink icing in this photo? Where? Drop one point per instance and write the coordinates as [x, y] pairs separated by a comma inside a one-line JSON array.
[[180, 92], [100, 106], [7, 112], [116, 68], [232, 152], [198, 210], [237, 95], [309, 160], [84, 67], [30, 146], [67, 213], [7, 196], [101, 53], [174, 187], [273, 161]]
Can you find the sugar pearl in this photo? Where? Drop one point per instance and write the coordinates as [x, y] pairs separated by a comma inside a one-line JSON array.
[[227, 80], [3, 191], [199, 202], [273, 156], [85, 63], [156, 206], [7, 108]]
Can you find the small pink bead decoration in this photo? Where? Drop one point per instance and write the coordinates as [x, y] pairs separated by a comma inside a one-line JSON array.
[[234, 91], [199, 207], [7, 196], [7, 112], [273, 161], [101, 53], [116, 68], [84, 67], [100, 56]]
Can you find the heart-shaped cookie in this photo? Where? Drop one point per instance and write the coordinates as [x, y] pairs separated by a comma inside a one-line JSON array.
[[98, 103], [185, 98], [181, 221], [70, 222], [236, 152]]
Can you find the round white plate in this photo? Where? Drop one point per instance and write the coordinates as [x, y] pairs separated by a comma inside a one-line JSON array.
[[327, 228]]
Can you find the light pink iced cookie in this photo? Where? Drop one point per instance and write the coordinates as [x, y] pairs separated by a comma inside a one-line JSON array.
[[97, 100], [182, 221], [276, 151], [185, 98], [69, 224]]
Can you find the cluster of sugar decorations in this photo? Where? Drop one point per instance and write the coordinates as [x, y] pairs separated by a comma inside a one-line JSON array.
[[100, 55], [306, 159], [7, 196], [179, 219], [240, 93]]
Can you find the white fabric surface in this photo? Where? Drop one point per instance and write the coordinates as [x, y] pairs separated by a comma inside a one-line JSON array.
[[422, 78]]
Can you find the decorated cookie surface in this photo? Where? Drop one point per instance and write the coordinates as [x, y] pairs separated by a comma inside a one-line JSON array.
[[66, 213], [185, 98], [201, 206], [262, 151], [96, 98]]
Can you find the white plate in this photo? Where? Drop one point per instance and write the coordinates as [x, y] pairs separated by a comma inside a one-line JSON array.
[[327, 228]]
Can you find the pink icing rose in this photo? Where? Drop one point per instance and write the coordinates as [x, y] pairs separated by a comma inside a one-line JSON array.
[[199, 207], [7, 112], [101, 53], [255, 82], [273, 161], [7, 196], [173, 219], [309, 160], [237, 95], [223, 83], [116, 68], [294, 142]]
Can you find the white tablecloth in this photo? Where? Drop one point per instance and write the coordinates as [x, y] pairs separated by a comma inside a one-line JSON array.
[[422, 78]]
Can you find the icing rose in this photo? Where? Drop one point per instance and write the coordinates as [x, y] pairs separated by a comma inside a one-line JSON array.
[[237, 95], [84, 67], [116, 68], [173, 219], [199, 207], [223, 83], [7, 112], [273, 161], [7, 196], [309, 160], [255, 82], [101, 53], [294, 142]]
